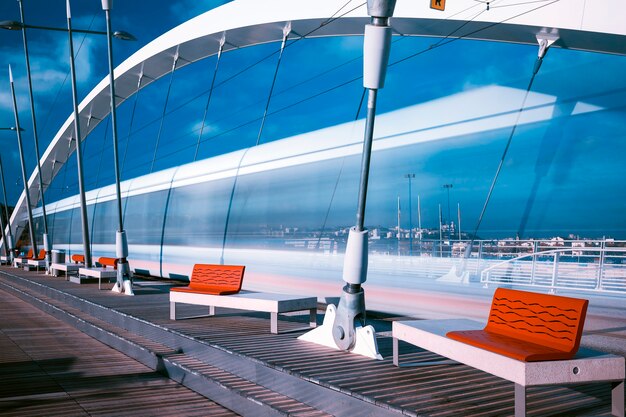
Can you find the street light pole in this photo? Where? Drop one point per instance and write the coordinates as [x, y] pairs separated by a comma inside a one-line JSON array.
[[449, 219], [46, 243], [21, 151], [8, 239], [79, 154], [124, 282], [398, 235], [410, 176]]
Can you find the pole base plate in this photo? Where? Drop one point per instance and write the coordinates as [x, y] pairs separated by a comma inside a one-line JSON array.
[[365, 344]]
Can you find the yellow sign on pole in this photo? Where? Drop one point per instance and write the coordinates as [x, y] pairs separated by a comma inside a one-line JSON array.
[[438, 4]]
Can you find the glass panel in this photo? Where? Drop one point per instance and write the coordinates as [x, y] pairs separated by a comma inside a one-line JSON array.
[[61, 228], [105, 223], [196, 214], [76, 232], [143, 218]]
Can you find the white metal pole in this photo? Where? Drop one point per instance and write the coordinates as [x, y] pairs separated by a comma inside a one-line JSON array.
[[46, 242], [25, 178], [398, 234], [79, 153], [124, 282], [458, 206]]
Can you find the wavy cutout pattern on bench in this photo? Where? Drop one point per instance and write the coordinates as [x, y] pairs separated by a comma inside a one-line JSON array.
[[215, 279], [530, 326]]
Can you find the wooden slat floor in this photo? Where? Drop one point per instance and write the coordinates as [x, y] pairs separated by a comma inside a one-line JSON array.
[[48, 368], [436, 390]]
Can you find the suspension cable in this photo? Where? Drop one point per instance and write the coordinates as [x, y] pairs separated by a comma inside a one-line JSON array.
[[106, 130], [536, 67], [286, 31], [167, 98], [67, 74], [132, 118], [343, 162], [208, 101]]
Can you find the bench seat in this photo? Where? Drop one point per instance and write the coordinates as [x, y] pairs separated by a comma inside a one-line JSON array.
[[530, 326], [247, 300], [220, 286], [207, 289], [78, 262], [98, 273], [37, 263], [19, 260], [506, 345], [586, 366], [68, 268]]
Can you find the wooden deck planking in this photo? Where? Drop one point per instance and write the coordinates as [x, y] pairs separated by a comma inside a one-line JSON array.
[[446, 390], [49, 368]]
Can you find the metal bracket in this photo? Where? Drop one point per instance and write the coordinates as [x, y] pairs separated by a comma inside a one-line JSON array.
[[545, 41]]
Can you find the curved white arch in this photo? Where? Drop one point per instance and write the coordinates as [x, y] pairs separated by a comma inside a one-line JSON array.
[[579, 25]]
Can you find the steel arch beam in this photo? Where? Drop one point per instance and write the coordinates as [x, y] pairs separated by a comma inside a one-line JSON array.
[[579, 24]]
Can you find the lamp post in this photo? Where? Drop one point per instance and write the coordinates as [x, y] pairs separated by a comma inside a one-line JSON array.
[[448, 219], [7, 239], [410, 176], [46, 242], [4, 236], [124, 282], [21, 151], [14, 25], [398, 235], [79, 153]]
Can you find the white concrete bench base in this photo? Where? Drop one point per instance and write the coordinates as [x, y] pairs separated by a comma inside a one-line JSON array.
[[587, 366], [19, 262], [88, 275], [36, 263], [251, 301], [68, 268]]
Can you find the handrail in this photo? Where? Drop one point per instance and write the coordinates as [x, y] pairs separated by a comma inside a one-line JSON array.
[[558, 274]]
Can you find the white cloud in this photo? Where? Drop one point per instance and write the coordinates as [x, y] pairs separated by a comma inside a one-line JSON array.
[[50, 66]]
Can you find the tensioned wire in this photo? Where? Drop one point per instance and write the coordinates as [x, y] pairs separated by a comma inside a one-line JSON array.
[[443, 41], [182, 105], [64, 186], [164, 113]]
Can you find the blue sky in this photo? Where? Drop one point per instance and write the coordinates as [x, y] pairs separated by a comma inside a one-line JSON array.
[[561, 175], [50, 67]]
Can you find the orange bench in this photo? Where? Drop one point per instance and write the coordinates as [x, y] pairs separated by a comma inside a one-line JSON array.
[[214, 279], [38, 262], [78, 258], [19, 260], [220, 286], [530, 339], [530, 327], [105, 261]]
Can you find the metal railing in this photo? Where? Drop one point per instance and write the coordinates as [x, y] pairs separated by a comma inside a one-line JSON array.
[[600, 269]]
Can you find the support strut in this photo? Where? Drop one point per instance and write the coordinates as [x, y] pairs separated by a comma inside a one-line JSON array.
[[344, 327]]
